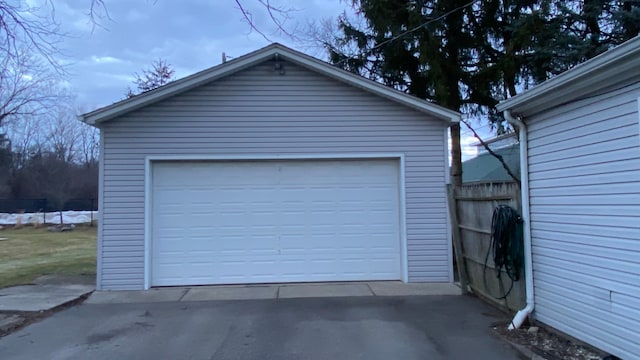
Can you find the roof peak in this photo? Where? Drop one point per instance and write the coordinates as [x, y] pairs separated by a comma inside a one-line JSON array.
[[238, 64]]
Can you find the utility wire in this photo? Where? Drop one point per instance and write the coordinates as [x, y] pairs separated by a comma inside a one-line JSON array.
[[431, 21]]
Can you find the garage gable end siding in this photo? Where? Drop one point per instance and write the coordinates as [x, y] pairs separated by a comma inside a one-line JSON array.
[[263, 111], [584, 170]]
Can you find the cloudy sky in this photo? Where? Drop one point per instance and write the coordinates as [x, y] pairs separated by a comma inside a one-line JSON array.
[[191, 35]]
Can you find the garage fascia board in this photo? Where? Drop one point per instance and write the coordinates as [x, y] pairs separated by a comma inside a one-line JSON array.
[[148, 181], [120, 108]]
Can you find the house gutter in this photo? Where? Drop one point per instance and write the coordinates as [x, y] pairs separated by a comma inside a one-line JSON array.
[[524, 194]]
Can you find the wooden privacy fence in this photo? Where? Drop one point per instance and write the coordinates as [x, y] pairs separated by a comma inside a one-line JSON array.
[[471, 208]]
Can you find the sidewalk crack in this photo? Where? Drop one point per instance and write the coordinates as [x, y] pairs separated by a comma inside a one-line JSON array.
[[183, 295]]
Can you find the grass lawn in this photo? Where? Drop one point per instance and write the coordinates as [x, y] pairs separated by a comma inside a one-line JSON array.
[[31, 252]]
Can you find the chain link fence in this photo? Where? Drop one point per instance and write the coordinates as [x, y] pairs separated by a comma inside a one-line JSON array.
[[13, 206]]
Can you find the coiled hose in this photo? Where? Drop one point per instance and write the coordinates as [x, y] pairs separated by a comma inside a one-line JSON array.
[[507, 245]]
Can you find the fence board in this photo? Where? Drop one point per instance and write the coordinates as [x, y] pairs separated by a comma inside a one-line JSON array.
[[474, 205]]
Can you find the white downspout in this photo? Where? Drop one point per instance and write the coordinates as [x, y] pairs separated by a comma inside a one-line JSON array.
[[524, 193]]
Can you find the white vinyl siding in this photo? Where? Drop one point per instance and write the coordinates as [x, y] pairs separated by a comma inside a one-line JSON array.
[[584, 169], [258, 111]]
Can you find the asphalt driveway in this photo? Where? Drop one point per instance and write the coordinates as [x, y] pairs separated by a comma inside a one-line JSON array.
[[417, 327]]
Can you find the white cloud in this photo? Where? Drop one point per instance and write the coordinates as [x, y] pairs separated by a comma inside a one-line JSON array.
[[105, 60], [123, 79], [468, 151]]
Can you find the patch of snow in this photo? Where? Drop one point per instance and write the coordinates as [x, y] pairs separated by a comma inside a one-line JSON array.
[[68, 217]]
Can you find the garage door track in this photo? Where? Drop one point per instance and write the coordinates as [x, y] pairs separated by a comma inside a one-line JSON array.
[[411, 327]]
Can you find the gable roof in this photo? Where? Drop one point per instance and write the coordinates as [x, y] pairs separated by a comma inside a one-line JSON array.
[[613, 66], [179, 86]]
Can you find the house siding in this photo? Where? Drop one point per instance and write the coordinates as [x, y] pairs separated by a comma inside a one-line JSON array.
[[584, 170], [259, 111]]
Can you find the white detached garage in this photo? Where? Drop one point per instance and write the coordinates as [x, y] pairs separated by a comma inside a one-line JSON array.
[[273, 167]]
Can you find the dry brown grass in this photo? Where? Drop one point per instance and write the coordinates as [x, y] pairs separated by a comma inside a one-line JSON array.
[[30, 252]]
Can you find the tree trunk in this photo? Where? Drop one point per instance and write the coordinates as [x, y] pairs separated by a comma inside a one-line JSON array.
[[453, 75], [456, 156]]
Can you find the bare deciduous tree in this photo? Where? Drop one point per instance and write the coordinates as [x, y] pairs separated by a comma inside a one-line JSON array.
[[27, 87], [279, 16], [24, 25], [88, 143], [26, 138], [63, 134]]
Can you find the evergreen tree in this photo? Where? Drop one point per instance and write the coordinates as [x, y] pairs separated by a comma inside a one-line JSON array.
[[470, 55], [160, 74]]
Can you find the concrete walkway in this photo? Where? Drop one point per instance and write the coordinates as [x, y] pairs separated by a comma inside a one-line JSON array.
[[272, 291], [40, 297], [21, 304]]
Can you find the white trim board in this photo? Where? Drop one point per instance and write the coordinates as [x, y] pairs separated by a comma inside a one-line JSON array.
[[447, 181], [148, 183], [99, 245]]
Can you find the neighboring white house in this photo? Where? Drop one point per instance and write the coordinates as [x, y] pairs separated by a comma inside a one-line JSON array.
[[273, 167], [583, 160]]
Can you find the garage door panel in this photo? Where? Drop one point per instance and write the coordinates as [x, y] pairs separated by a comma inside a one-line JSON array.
[[275, 221]]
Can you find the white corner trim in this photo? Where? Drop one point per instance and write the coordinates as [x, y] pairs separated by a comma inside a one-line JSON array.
[[148, 201], [403, 223], [447, 180], [147, 222], [99, 244]]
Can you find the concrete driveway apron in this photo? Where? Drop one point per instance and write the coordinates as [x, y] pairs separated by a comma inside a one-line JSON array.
[[357, 327]]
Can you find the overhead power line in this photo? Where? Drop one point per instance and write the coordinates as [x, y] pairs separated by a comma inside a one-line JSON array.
[[423, 25], [430, 21]]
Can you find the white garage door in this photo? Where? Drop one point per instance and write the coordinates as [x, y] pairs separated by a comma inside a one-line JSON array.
[[275, 221]]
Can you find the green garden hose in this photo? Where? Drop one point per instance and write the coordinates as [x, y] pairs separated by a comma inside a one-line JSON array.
[[507, 245]]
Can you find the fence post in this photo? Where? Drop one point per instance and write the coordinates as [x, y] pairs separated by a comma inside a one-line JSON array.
[[457, 240]]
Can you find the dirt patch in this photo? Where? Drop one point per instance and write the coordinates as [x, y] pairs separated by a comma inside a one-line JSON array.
[[29, 317], [547, 344]]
